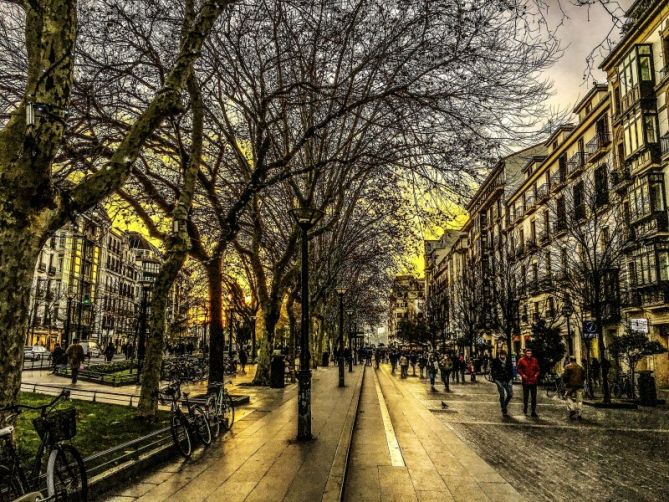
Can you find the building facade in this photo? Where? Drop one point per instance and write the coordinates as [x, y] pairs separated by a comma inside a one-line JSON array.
[[580, 222]]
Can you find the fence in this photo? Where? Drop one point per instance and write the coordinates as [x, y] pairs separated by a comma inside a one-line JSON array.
[[85, 394]]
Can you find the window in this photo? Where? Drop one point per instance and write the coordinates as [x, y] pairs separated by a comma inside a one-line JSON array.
[[647, 196], [601, 185], [579, 202], [561, 213], [562, 163]]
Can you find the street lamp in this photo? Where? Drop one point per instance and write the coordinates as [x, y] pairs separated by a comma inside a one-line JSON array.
[[340, 359], [305, 217], [349, 312]]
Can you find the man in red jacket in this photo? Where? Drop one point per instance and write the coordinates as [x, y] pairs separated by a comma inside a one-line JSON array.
[[528, 369]]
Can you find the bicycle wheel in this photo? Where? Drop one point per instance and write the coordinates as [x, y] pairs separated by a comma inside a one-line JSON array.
[[11, 486], [551, 390], [180, 434], [201, 423], [228, 412], [214, 421], [66, 475]]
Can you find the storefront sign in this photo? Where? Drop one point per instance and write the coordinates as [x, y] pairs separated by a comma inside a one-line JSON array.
[[639, 325]]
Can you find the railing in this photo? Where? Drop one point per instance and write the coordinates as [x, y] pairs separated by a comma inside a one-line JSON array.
[[103, 378], [41, 267], [546, 283], [575, 163], [597, 144], [620, 176], [52, 270], [579, 212], [601, 197], [531, 245], [543, 236], [84, 394], [560, 226], [542, 192], [558, 178]]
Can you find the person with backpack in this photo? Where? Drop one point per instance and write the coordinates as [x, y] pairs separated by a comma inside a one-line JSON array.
[[432, 369], [445, 367]]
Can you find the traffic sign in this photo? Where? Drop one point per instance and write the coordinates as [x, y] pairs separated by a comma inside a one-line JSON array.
[[589, 330], [639, 325]]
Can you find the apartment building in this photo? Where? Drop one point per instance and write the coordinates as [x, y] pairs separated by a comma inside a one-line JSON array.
[[407, 302], [591, 200]]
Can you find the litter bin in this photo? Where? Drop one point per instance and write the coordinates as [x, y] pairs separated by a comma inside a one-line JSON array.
[[647, 390], [277, 369], [326, 359]]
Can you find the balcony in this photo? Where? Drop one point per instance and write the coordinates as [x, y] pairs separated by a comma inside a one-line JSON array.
[[664, 145], [520, 251], [655, 297], [601, 198], [41, 267], [546, 283], [620, 179], [533, 287], [558, 179], [579, 212], [642, 92], [575, 164], [542, 193], [631, 299], [596, 147], [650, 225], [649, 155], [559, 227], [529, 204], [543, 237], [52, 270], [531, 245]]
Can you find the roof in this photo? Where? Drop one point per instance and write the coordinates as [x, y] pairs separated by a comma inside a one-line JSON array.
[[589, 95]]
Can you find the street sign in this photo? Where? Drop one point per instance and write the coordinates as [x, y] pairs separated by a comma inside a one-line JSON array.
[[639, 325], [589, 330]]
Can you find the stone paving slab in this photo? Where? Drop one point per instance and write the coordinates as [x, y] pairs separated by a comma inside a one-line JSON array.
[[260, 459]]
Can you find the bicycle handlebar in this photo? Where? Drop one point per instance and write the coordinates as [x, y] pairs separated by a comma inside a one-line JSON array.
[[64, 394]]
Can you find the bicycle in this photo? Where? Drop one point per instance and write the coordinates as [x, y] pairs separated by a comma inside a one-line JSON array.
[[555, 387], [65, 472], [221, 408], [183, 426], [621, 386]]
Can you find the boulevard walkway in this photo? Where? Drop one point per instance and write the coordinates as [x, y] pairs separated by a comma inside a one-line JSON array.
[[260, 459], [401, 451]]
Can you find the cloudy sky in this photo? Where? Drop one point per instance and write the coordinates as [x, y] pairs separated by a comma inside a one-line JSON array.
[[583, 30]]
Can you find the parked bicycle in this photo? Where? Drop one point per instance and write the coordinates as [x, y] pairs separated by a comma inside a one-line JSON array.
[[220, 408], [555, 387], [621, 386], [186, 426], [65, 472]]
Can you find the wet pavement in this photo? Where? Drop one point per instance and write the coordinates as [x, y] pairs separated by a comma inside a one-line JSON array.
[[610, 455]]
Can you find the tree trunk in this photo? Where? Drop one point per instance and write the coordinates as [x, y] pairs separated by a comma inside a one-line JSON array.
[[216, 335], [271, 318], [19, 250]]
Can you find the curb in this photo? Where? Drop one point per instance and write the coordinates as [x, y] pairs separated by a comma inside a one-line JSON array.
[[334, 487]]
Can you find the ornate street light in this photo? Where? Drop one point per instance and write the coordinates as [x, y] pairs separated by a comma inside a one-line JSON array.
[[305, 217], [340, 359]]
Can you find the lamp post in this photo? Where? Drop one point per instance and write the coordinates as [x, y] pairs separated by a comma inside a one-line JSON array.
[[349, 312], [305, 217], [340, 359]]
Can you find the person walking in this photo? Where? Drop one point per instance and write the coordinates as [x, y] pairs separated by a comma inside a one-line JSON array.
[[446, 366], [432, 369], [110, 351], [413, 358], [502, 375], [57, 357], [393, 361], [404, 366], [529, 371], [456, 368], [243, 359], [422, 364], [75, 355], [596, 372], [574, 379], [462, 367]]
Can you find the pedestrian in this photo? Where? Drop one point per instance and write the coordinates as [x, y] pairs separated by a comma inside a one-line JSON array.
[[456, 368], [393, 361], [595, 371], [502, 375], [109, 352], [422, 363], [57, 356], [404, 366], [432, 363], [462, 367], [75, 355], [446, 366], [243, 359], [377, 357], [529, 371], [574, 379], [472, 370], [413, 358]]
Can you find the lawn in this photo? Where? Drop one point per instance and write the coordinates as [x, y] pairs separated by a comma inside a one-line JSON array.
[[99, 425]]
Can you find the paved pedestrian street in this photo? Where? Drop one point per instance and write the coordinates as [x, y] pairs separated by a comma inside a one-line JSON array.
[[610, 455]]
